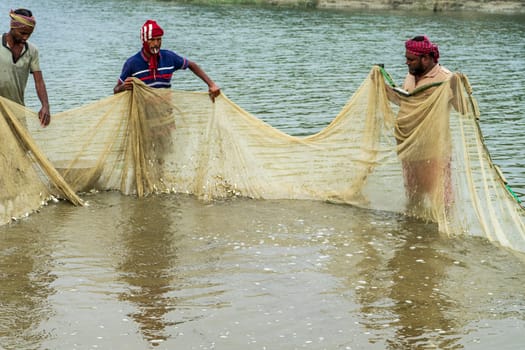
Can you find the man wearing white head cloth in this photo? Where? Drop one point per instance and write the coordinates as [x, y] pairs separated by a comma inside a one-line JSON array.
[[18, 58]]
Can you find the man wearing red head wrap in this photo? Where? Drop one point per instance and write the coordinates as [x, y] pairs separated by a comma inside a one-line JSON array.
[[422, 60], [422, 176], [155, 66], [151, 30], [18, 58]]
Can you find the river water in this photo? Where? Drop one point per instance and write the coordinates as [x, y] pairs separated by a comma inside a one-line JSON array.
[[171, 272]]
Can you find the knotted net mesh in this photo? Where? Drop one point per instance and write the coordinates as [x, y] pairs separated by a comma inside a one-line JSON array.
[[421, 155]]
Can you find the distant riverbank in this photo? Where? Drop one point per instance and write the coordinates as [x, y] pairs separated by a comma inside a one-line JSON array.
[[503, 6]]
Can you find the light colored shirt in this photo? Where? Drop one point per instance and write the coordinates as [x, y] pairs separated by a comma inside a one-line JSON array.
[[14, 75], [436, 74], [410, 115]]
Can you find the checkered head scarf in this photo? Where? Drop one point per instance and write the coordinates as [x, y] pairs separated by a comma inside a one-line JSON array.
[[18, 20], [421, 45], [150, 30]]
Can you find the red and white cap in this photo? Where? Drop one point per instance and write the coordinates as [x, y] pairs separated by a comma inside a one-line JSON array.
[[149, 30]]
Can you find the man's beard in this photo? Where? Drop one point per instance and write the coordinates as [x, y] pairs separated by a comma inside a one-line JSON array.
[[417, 71]]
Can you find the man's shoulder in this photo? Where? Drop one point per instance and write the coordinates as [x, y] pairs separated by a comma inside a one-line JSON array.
[[171, 58], [135, 62], [443, 70], [436, 74], [169, 53], [32, 46], [134, 57]]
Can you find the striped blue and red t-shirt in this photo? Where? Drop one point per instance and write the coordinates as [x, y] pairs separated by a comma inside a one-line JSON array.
[[137, 66]]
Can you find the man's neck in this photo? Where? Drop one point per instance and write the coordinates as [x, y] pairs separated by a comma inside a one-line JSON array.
[[146, 53], [17, 48], [9, 40], [420, 76]]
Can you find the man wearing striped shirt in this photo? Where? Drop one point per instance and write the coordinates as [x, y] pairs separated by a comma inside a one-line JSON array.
[[155, 67]]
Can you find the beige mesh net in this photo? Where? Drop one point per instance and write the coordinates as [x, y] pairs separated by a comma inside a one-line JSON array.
[[28, 180], [425, 158]]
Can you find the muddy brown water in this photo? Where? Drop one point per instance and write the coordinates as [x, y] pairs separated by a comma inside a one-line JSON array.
[[173, 272]]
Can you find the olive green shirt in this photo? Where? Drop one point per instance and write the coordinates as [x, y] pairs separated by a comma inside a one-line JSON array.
[[14, 75]]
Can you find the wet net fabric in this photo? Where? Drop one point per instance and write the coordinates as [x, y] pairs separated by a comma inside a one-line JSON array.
[[421, 155], [28, 180]]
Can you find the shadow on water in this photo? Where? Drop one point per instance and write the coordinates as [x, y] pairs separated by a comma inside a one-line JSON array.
[[418, 289], [419, 268], [249, 274], [162, 267], [148, 266], [26, 274], [394, 272]]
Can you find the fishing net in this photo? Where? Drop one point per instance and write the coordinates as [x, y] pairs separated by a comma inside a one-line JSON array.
[[422, 155], [28, 180]]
